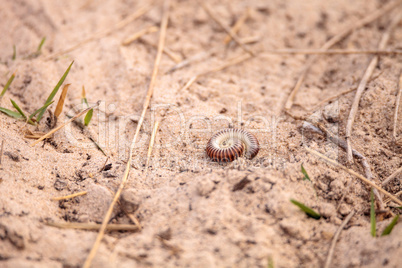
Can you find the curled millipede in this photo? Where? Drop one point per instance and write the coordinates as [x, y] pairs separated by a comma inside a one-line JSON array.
[[228, 144]]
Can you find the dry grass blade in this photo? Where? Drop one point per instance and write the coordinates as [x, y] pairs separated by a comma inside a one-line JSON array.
[[226, 28], [397, 101], [92, 226], [232, 62], [1, 151], [175, 57], [161, 44], [69, 196], [320, 128], [60, 104], [353, 26], [335, 239], [138, 34], [236, 27], [393, 176], [362, 85], [141, 11], [268, 53], [321, 103], [372, 184], [63, 125], [151, 144]]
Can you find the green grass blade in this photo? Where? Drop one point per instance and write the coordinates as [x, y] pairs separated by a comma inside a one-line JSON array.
[[8, 112], [21, 112], [18, 108], [88, 117], [42, 42], [98, 146], [10, 80], [40, 109], [14, 52], [372, 215], [54, 92], [306, 177], [310, 212], [270, 263], [389, 228]]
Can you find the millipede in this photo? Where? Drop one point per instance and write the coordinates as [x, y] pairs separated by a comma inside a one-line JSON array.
[[228, 144]]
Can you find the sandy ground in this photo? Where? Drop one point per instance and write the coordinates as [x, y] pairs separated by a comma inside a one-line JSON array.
[[195, 213]]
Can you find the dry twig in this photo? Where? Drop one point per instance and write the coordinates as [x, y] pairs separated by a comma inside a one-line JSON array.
[[63, 125], [232, 62], [397, 101], [336, 236], [162, 36], [175, 57], [363, 83], [322, 130], [236, 27], [151, 144], [92, 226], [268, 53], [393, 176], [132, 38], [141, 11], [205, 55], [1, 151], [357, 175], [69, 196], [226, 28], [353, 26]]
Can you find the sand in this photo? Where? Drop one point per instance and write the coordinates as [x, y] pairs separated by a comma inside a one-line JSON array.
[[194, 212]]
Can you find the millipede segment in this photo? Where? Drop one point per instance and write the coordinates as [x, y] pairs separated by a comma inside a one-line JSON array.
[[228, 144]]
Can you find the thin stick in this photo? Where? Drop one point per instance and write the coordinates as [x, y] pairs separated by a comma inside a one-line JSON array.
[[226, 28], [335, 239], [132, 38], [1, 151], [353, 26], [387, 200], [398, 99], [151, 144], [232, 62], [176, 58], [63, 125], [384, 40], [320, 128], [236, 27], [321, 51], [132, 217], [372, 184], [69, 196], [92, 226], [332, 98], [104, 165], [393, 176], [141, 11], [162, 36], [204, 55]]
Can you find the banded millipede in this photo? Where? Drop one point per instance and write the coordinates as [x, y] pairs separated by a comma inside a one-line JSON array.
[[228, 144]]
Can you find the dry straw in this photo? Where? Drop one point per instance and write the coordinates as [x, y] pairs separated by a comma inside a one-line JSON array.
[[106, 219]]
